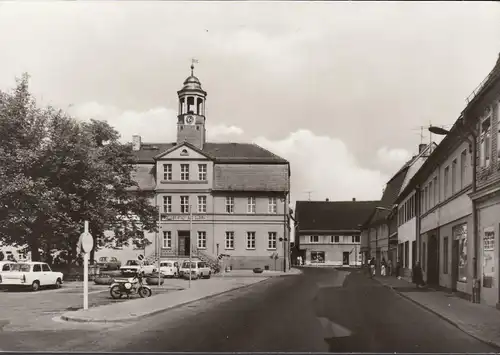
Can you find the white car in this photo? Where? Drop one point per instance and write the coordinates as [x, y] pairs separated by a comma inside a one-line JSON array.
[[131, 267], [168, 268], [199, 269], [31, 274]]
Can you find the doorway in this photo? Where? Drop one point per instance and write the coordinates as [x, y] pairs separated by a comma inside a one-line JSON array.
[[413, 253], [184, 243], [454, 263], [345, 258], [433, 260]]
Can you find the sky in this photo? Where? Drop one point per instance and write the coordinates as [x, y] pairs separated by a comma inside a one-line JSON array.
[[339, 89]]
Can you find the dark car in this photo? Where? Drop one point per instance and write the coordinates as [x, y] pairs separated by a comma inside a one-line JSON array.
[[109, 263]]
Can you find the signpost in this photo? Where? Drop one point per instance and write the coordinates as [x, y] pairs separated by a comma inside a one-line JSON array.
[[86, 244]]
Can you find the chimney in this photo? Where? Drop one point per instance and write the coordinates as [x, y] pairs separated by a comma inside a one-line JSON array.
[[353, 199], [327, 199], [421, 148], [136, 143]]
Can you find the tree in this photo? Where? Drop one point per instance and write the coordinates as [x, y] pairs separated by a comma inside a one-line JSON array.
[[58, 172]]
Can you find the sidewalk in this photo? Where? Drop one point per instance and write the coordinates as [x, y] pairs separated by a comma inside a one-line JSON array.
[[478, 320], [265, 274], [140, 308]]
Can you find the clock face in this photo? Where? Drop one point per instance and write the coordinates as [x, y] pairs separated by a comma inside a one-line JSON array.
[[189, 119]]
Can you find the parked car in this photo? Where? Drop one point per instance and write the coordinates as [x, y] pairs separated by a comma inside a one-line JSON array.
[[109, 263], [168, 268], [6, 265], [131, 267], [198, 268], [32, 275]]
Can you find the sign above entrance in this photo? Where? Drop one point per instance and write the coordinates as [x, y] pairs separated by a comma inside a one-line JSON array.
[[182, 217]]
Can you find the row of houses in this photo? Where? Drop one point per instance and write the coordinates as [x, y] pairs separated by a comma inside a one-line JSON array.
[[442, 208]]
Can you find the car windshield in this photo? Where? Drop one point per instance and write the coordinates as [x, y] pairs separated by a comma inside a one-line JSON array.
[[20, 267], [166, 264], [186, 265], [132, 263]]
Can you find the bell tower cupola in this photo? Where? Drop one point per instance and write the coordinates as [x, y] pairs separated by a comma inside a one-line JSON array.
[[191, 118]]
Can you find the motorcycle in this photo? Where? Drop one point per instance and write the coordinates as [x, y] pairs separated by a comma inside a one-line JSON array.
[[128, 287]]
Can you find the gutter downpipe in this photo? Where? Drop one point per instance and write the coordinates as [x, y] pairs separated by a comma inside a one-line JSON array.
[[417, 224], [476, 287]]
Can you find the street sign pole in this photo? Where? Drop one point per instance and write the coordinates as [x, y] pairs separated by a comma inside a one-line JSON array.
[[86, 272]]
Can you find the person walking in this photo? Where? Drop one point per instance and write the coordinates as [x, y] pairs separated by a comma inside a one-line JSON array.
[[417, 275], [389, 268], [372, 267], [398, 269], [383, 268]]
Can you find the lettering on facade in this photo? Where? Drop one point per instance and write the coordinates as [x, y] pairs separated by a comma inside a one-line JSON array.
[[182, 217]]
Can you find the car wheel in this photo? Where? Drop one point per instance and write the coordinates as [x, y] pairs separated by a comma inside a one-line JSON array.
[[58, 283], [209, 274], [35, 286]]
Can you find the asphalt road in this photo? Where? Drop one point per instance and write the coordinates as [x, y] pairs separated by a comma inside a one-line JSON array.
[[318, 311]]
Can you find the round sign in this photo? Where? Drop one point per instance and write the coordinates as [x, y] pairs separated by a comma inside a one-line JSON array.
[[140, 257], [87, 242]]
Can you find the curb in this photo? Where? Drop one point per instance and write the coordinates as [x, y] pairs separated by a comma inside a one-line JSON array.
[[477, 337], [168, 308]]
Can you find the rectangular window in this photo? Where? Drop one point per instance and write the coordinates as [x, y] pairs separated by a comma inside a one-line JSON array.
[[453, 177], [445, 255], [436, 190], [184, 172], [202, 204], [314, 238], [184, 204], [426, 198], [229, 240], [407, 254], [317, 257], [202, 172], [202, 240], [346, 239], [167, 240], [355, 239], [431, 195], [485, 142], [333, 239], [273, 205], [167, 204], [229, 204], [446, 182], [167, 172], [272, 240], [250, 240], [251, 203], [463, 168], [424, 256]]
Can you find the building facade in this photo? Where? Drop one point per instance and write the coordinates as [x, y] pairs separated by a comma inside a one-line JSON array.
[[237, 194], [328, 232]]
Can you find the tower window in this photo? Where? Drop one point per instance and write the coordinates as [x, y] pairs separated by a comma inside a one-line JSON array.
[[190, 105]]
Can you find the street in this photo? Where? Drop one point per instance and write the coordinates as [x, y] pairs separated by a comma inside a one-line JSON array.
[[321, 310]]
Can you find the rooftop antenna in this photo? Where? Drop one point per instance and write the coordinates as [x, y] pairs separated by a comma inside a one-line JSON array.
[[309, 193]]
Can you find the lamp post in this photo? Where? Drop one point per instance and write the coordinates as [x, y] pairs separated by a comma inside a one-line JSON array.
[[464, 133]]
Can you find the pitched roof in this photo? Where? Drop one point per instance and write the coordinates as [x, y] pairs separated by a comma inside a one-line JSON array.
[[220, 152], [332, 215]]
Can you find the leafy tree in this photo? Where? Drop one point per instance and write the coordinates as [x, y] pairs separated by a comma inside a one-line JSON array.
[[57, 172]]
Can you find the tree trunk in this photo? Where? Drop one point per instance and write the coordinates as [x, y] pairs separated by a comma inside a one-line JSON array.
[[34, 246]]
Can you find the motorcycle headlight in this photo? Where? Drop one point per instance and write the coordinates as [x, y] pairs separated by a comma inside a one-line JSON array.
[[128, 285]]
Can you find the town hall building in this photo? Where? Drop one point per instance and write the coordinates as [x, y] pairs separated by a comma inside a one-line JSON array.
[[239, 194]]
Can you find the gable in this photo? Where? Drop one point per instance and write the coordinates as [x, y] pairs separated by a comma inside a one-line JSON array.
[[183, 151]]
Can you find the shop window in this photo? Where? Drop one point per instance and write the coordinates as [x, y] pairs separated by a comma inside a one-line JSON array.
[[317, 256], [460, 234], [485, 142]]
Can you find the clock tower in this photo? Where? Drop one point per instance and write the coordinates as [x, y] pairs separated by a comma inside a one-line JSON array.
[[191, 118]]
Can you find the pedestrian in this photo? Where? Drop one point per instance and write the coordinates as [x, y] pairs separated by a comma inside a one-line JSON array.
[[299, 260], [383, 268], [417, 276], [389, 267], [398, 269], [372, 267]]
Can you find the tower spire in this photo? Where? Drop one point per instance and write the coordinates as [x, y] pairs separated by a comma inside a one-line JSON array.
[[193, 60]]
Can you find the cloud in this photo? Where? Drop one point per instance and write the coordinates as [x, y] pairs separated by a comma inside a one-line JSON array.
[[325, 166], [321, 164], [153, 125], [392, 159]]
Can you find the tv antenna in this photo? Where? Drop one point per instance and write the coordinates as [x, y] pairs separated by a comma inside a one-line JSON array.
[[309, 194]]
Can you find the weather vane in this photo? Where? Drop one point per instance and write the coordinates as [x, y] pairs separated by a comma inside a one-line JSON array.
[[193, 61]]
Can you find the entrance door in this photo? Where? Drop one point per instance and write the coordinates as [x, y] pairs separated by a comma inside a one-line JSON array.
[[413, 253], [345, 258], [454, 263], [184, 243], [433, 261]]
